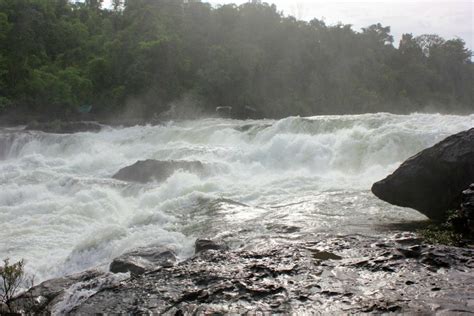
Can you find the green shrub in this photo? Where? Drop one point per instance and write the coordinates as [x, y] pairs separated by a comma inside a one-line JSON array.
[[447, 232], [12, 276], [440, 235]]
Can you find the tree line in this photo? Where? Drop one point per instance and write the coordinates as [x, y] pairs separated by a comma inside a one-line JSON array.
[[147, 56]]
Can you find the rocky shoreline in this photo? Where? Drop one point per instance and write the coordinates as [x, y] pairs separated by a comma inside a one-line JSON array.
[[331, 274]]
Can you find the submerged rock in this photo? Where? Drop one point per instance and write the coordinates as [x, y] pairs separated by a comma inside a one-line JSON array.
[[332, 275], [63, 127], [156, 170], [432, 181], [143, 259]]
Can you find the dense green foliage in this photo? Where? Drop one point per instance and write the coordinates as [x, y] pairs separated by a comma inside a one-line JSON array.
[[142, 56]]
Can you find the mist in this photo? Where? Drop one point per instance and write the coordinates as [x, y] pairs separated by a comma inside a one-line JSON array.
[[149, 58]]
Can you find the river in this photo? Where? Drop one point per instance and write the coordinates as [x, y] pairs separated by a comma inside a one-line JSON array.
[[62, 212]]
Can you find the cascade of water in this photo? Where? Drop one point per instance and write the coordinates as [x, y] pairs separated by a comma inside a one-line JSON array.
[[61, 210]]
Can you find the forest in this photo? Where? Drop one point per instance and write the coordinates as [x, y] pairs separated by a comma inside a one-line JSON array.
[[145, 58]]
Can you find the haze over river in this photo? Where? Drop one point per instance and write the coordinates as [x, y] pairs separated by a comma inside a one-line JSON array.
[[265, 180]]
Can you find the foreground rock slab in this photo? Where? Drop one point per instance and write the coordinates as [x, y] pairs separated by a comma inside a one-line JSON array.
[[432, 181], [59, 296], [332, 275], [144, 171]]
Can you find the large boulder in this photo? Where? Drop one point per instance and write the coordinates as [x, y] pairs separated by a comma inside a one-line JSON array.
[[433, 180], [155, 170]]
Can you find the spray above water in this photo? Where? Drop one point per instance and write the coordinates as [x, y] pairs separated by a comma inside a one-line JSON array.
[[62, 211]]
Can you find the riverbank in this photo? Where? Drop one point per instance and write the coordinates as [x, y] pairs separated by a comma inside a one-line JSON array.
[[329, 274]]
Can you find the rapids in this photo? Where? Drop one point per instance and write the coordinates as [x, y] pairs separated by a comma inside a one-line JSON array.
[[62, 212]]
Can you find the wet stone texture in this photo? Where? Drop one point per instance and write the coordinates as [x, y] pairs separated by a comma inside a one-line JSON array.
[[440, 172], [143, 259], [345, 274]]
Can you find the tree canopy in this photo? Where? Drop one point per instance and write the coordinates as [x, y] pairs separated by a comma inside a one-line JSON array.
[[145, 55]]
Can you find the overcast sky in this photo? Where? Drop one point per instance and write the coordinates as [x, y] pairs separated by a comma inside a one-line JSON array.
[[447, 18]]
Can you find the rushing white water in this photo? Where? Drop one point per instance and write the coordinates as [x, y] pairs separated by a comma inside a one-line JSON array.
[[62, 212]]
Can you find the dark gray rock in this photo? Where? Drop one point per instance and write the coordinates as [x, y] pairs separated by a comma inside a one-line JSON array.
[[143, 259], [43, 297], [207, 244], [432, 181], [65, 127], [463, 222], [352, 277], [325, 255], [155, 170]]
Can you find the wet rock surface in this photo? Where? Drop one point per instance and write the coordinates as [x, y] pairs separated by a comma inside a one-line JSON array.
[[207, 244], [341, 274], [156, 170], [61, 294], [143, 259], [440, 172]]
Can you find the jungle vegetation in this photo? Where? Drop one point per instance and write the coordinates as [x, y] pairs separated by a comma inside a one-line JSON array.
[[145, 56]]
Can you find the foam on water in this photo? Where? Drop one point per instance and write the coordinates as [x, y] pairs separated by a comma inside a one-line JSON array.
[[61, 210]]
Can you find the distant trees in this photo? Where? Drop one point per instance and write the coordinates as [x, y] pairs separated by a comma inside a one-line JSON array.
[[56, 55]]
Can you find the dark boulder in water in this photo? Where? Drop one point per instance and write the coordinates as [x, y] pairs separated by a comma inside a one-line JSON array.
[[432, 181], [156, 170], [143, 259], [62, 127]]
